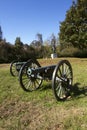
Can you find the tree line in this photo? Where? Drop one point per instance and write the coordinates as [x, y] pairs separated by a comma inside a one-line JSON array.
[[23, 52], [71, 40]]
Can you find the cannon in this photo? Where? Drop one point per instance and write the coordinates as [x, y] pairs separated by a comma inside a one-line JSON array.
[[31, 76], [15, 67]]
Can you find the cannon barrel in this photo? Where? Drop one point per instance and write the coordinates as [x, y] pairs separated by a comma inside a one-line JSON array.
[[44, 72]]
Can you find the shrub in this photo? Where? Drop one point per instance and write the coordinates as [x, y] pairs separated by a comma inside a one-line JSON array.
[[73, 52], [68, 52]]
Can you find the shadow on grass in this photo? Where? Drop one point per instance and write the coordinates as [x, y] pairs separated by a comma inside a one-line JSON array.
[[47, 86], [78, 91]]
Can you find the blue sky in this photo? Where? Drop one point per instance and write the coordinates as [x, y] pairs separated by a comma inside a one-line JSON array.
[[26, 18]]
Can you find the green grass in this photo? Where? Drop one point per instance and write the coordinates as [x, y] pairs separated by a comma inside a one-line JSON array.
[[39, 110]]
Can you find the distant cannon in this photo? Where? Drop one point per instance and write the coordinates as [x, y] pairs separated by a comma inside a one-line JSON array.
[[15, 67]]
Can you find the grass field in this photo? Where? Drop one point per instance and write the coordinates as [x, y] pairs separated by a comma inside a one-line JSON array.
[[39, 110]]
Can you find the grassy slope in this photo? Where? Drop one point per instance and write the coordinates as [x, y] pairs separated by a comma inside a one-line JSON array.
[[39, 110]]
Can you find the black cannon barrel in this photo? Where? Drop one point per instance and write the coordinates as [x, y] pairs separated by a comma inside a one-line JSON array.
[[45, 71]]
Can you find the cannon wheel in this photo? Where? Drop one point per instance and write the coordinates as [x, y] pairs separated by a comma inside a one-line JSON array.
[[13, 69], [62, 80], [29, 82]]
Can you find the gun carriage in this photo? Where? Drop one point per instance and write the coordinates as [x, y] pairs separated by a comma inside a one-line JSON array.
[[31, 76]]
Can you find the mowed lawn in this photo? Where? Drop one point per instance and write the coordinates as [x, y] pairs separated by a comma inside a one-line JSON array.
[[39, 110]]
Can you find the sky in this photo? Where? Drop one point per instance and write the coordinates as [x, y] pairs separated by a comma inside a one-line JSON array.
[[26, 18]]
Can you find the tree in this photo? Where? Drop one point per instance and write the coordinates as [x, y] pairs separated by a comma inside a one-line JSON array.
[[53, 43], [18, 42], [37, 43], [19, 48], [6, 52], [40, 39], [1, 34], [73, 30]]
